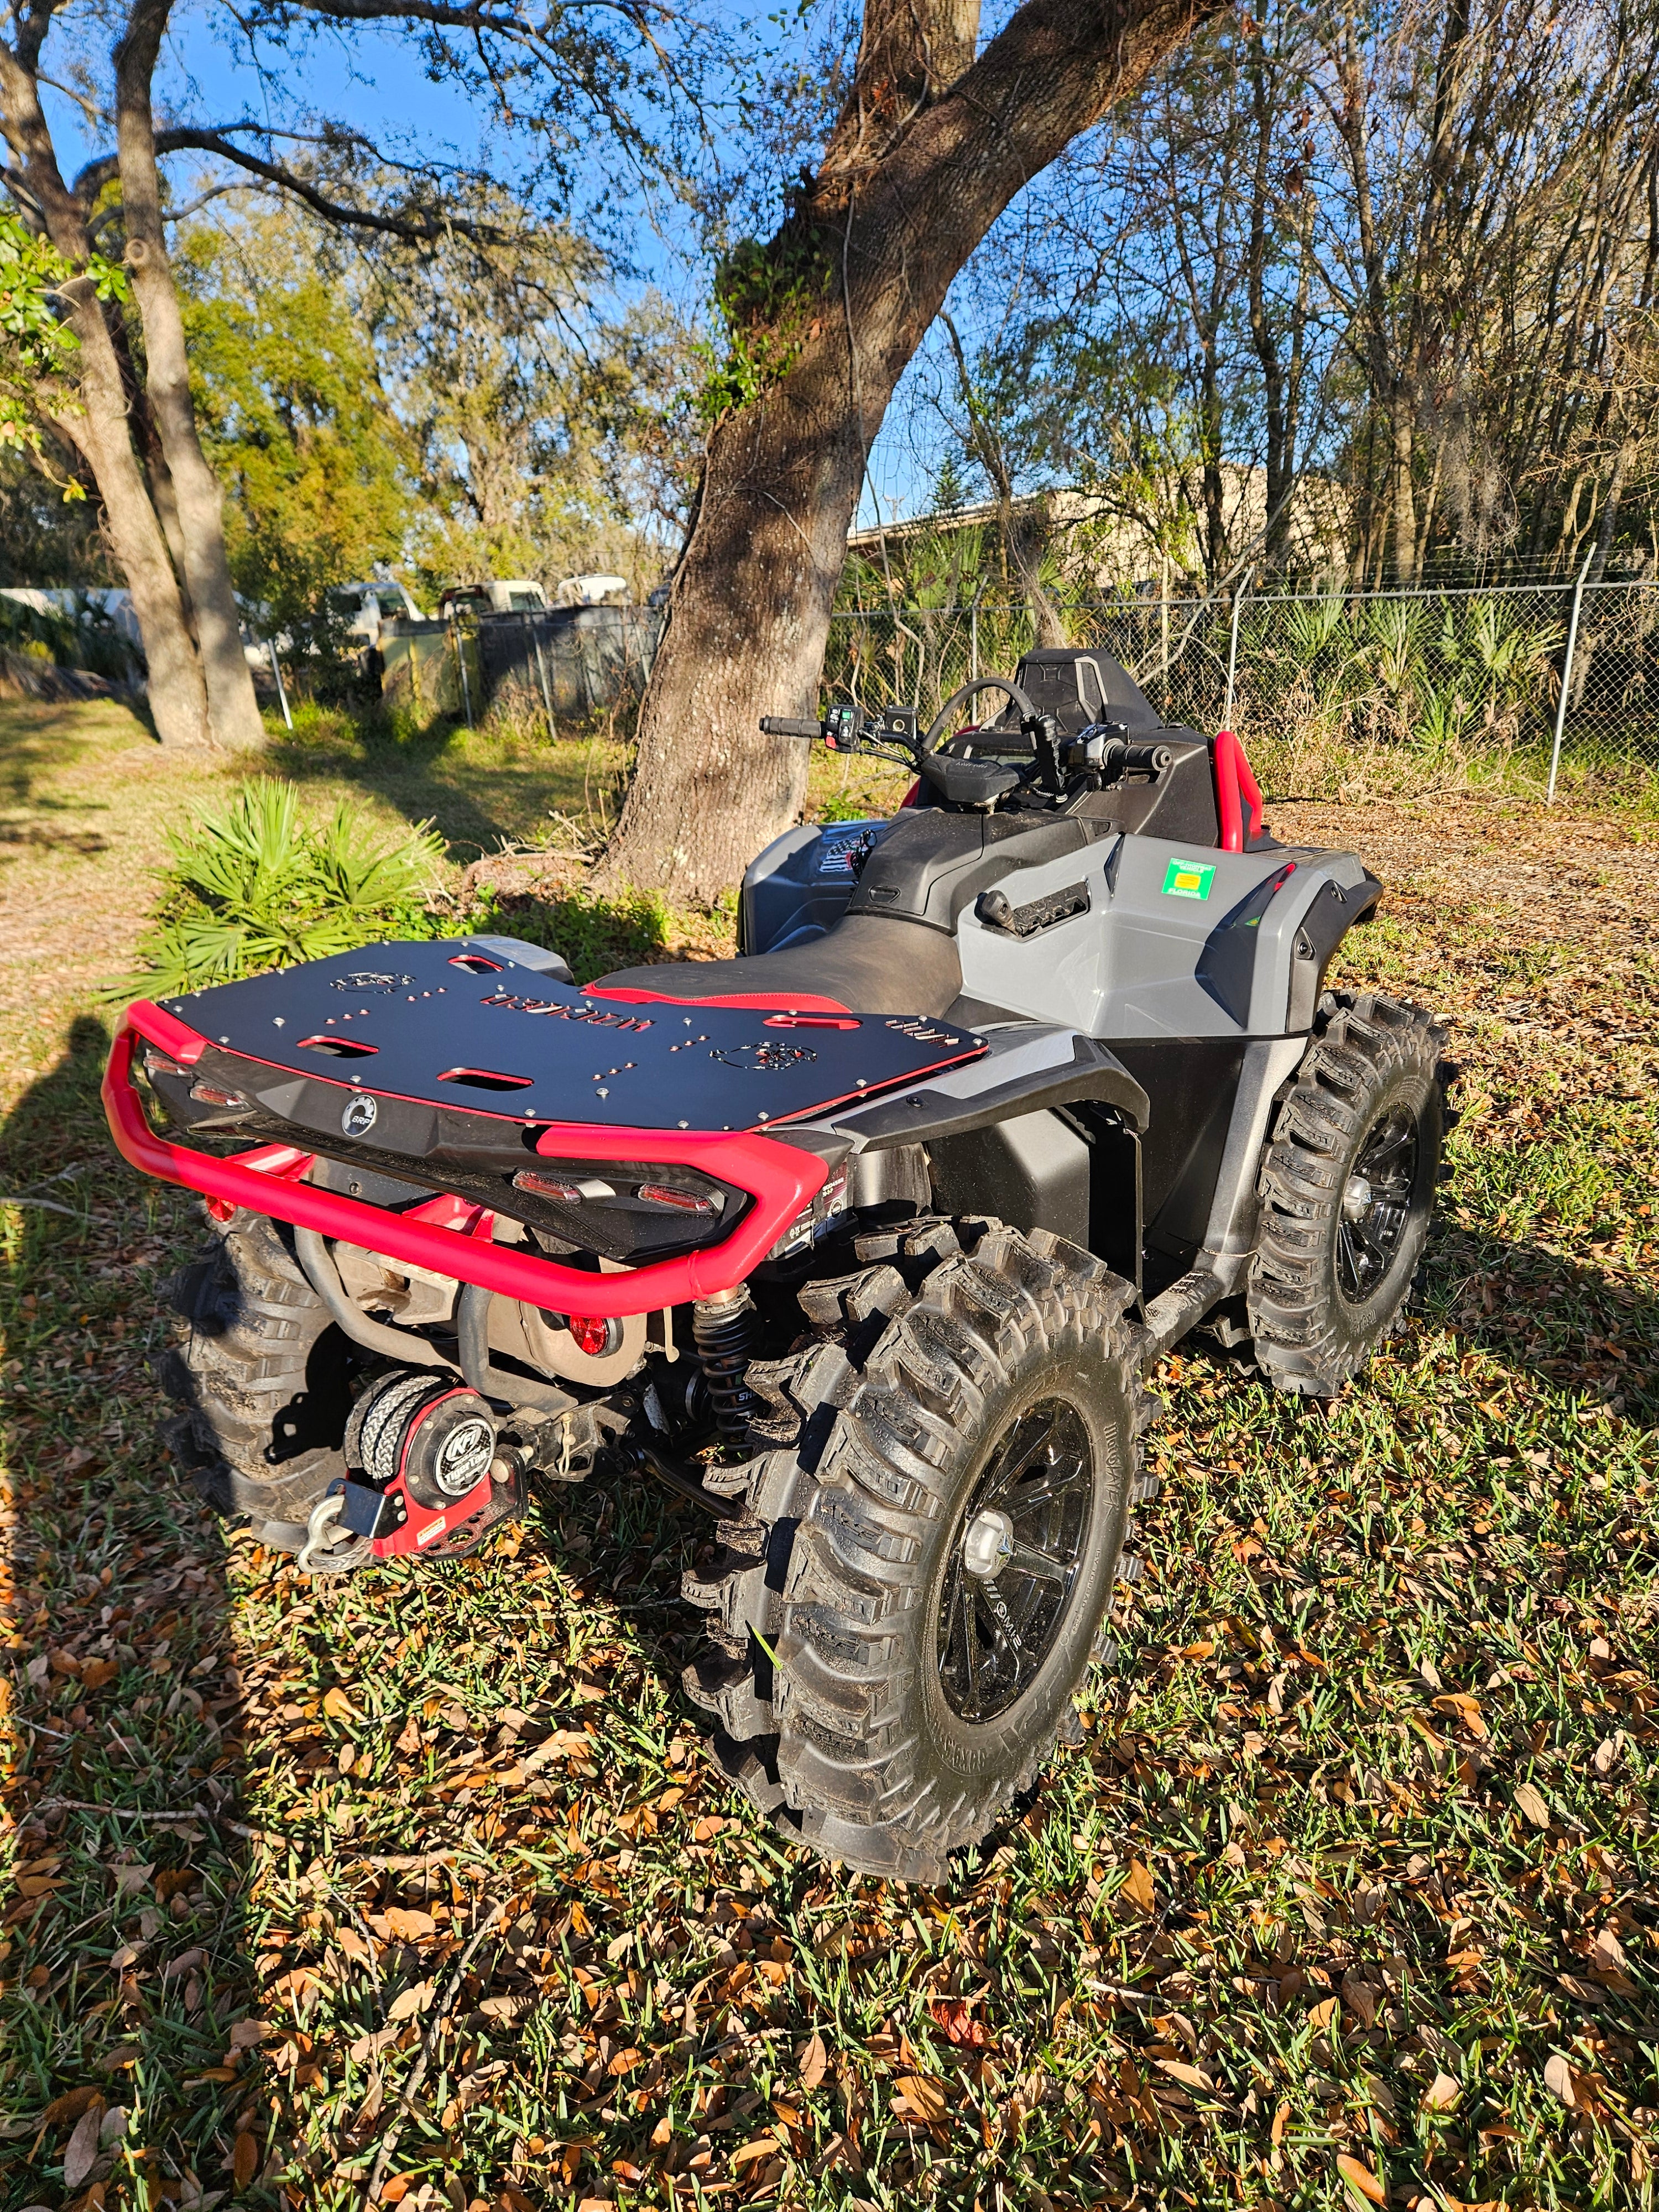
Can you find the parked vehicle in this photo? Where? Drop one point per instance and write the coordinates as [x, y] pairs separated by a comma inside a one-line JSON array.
[[591, 592], [864, 1240], [368, 607], [511, 595]]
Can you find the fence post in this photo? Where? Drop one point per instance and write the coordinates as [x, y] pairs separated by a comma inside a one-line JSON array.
[[973, 642], [1566, 676], [541, 670], [1232, 653], [281, 691], [460, 655]]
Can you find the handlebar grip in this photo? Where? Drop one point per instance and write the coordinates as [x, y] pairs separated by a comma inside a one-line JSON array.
[[780, 726]]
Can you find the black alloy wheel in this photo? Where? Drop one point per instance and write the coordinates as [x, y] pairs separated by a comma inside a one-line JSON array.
[[1348, 1190], [1013, 1559], [1377, 1204]]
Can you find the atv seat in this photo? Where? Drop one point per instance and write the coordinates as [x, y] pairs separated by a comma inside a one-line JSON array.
[[868, 965]]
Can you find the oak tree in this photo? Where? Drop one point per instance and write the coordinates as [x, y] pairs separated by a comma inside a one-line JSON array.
[[931, 142]]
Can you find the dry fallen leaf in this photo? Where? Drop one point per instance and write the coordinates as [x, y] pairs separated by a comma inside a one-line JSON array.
[[1359, 2177], [1189, 2076], [409, 2001], [70, 2106], [82, 2154], [1559, 2079], [1321, 2016], [409, 1927], [1465, 1709], [1531, 1803], [747, 2152], [1442, 2094], [814, 2060], [1138, 1887], [1609, 1952], [245, 2159], [924, 2097], [338, 1706]]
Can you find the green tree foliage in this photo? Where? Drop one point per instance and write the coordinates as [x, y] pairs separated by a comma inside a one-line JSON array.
[[293, 414], [549, 436], [37, 350]]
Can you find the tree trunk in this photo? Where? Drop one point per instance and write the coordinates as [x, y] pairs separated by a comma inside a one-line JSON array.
[[233, 711], [1404, 496], [178, 701], [99, 430], [905, 192]]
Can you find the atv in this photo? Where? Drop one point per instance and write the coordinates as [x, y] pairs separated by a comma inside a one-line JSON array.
[[865, 1240]]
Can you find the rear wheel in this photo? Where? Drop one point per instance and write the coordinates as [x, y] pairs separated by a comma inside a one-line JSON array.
[[901, 1617], [264, 1379], [1348, 1190]]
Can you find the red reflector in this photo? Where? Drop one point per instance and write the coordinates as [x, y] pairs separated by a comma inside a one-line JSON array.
[[589, 1334], [541, 1186], [663, 1194]]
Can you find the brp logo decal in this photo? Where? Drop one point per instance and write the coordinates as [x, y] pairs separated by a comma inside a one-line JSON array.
[[360, 1116], [765, 1058], [370, 979]]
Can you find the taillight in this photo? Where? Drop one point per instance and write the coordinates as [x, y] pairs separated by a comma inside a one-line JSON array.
[[215, 1093], [157, 1063], [567, 1193], [684, 1201]]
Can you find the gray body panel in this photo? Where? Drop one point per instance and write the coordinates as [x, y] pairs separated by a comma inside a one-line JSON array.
[[1144, 962], [1141, 962], [1157, 943]]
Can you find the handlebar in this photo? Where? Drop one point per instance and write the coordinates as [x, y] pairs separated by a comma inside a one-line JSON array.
[[781, 725]]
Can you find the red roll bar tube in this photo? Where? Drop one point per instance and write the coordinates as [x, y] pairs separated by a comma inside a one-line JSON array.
[[1237, 794], [780, 1179]]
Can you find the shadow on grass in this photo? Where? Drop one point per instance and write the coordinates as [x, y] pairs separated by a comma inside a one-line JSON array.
[[483, 789], [127, 1961], [38, 742], [1571, 1326]]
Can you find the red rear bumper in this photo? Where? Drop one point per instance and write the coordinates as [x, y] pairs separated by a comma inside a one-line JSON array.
[[780, 1179]]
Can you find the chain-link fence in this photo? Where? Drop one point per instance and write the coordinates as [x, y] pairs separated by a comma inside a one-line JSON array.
[[1559, 680], [555, 663]]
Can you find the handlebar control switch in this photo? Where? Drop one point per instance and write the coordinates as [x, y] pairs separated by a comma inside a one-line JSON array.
[[841, 729]]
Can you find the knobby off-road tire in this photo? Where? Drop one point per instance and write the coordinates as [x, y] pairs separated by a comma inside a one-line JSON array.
[[839, 1601], [1347, 1189], [263, 1377]]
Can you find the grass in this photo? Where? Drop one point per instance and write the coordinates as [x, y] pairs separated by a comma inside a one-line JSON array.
[[422, 1881]]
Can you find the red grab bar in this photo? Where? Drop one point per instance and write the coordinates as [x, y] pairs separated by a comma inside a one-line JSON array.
[[779, 1178], [1232, 779]]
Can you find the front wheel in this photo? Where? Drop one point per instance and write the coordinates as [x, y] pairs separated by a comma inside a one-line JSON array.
[[901, 1621], [1347, 1189]]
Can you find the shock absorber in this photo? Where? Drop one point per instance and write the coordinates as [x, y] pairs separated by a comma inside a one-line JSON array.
[[726, 1329]]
